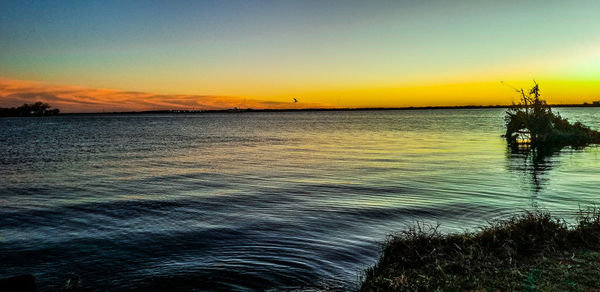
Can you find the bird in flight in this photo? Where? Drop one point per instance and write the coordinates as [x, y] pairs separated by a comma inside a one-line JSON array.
[[295, 100]]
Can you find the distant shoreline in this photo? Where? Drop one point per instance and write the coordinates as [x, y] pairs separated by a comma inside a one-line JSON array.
[[239, 110]]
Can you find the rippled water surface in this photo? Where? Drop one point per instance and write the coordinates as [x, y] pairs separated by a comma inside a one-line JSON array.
[[259, 200]]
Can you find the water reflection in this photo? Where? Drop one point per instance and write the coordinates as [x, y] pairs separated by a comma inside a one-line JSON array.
[[533, 165]]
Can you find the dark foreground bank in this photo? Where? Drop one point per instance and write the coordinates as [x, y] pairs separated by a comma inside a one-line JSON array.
[[529, 252]]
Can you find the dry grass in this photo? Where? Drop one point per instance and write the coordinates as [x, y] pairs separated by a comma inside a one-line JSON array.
[[532, 251]]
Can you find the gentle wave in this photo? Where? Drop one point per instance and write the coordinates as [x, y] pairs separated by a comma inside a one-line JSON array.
[[259, 200]]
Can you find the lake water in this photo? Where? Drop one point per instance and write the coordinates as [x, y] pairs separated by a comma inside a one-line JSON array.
[[259, 200]]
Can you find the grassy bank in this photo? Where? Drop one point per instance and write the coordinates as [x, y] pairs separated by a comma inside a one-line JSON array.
[[530, 252]]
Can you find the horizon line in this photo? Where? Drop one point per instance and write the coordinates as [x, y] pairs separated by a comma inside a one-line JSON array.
[[240, 110]]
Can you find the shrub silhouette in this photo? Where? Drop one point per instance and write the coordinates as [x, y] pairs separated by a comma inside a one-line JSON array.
[[35, 109], [533, 122]]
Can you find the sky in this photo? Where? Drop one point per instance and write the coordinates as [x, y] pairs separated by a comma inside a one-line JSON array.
[[91, 56]]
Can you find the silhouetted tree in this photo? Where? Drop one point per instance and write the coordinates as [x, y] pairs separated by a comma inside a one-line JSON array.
[[35, 109], [532, 119]]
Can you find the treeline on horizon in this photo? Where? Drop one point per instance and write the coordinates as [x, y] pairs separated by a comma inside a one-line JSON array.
[[239, 110], [43, 109], [29, 110]]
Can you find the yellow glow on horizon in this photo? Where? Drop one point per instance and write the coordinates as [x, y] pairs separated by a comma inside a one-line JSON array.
[[457, 94], [82, 99]]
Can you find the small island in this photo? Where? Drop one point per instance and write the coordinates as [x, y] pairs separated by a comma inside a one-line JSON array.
[[532, 123], [29, 110]]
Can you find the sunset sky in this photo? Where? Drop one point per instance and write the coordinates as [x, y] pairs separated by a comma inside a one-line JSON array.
[[86, 56]]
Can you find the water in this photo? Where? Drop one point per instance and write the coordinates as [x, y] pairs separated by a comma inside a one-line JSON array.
[[259, 200]]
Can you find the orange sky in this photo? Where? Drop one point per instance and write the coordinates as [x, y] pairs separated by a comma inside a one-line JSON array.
[[70, 98]]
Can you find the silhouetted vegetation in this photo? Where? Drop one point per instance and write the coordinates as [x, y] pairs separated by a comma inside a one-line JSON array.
[[532, 122], [529, 252], [28, 110], [24, 283]]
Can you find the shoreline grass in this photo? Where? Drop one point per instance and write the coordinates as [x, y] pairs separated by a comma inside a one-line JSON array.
[[529, 252]]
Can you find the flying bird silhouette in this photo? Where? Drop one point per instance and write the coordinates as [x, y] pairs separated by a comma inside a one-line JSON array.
[[295, 100]]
